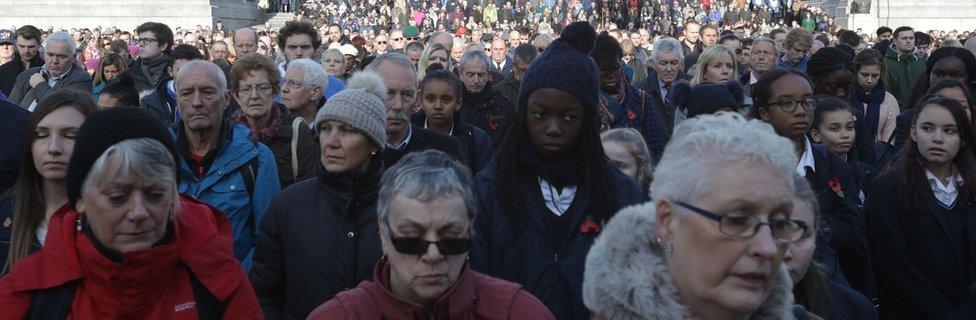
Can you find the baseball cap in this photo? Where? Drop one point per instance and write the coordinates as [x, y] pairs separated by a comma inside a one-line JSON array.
[[7, 37], [349, 50]]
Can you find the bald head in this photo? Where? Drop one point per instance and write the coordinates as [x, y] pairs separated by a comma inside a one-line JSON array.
[[245, 41], [443, 38]]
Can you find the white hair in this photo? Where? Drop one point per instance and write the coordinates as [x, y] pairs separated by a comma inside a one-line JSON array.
[[703, 145], [471, 56], [145, 158], [392, 57], [425, 176], [314, 73], [62, 36], [212, 68], [668, 45]]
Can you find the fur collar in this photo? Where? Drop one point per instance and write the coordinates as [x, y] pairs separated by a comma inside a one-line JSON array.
[[627, 276]]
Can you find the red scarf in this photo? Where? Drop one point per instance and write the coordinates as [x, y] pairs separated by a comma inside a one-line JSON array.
[[264, 134]]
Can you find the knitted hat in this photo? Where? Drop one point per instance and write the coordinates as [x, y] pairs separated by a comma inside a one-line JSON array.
[[361, 105], [709, 97], [566, 66], [103, 129]]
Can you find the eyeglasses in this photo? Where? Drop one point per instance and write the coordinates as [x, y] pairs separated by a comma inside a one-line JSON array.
[[411, 38], [262, 88], [381, 42], [145, 40], [790, 105], [418, 246], [744, 227], [397, 39]]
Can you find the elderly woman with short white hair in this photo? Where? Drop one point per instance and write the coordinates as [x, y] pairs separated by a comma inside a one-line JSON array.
[[127, 245], [711, 243]]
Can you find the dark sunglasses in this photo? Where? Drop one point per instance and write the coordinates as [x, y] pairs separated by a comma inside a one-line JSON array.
[[381, 42], [412, 38], [419, 246]]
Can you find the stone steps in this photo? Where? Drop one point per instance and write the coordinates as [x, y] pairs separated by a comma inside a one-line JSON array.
[[126, 14]]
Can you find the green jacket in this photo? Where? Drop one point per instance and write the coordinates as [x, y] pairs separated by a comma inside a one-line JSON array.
[[902, 71]]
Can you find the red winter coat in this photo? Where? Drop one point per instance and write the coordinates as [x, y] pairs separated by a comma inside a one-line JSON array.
[[475, 296], [150, 284]]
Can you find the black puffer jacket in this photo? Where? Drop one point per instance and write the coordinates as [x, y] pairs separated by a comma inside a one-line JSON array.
[[318, 238]]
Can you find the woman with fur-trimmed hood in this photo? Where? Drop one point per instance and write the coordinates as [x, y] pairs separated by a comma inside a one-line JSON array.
[[711, 244]]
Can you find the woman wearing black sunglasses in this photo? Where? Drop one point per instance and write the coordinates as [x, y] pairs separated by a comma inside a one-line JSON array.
[[426, 208]]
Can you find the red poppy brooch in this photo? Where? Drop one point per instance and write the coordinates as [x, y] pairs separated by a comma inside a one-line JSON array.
[[590, 226], [834, 185]]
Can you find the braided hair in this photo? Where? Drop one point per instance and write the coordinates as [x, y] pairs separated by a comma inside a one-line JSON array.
[[828, 60]]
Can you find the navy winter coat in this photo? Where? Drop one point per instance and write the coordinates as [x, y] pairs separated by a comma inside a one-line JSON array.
[[841, 241], [526, 255], [925, 266]]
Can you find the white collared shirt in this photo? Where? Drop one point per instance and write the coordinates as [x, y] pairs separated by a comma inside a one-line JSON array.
[[806, 160], [945, 193], [752, 78], [500, 65], [557, 202], [450, 133], [405, 142]]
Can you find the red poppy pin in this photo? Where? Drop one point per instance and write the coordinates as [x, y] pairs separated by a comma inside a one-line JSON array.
[[590, 226], [631, 115], [834, 185], [491, 123]]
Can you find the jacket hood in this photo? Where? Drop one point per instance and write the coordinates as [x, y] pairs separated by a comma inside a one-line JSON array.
[[627, 275], [893, 53]]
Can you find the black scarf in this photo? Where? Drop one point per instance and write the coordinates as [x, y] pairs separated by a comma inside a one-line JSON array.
[[155, 68], [353, 191], [873, 99], [559, 171]]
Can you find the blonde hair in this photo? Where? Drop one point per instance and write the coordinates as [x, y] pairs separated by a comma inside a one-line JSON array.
[[424, 61], [708, 56], [798, 36], [637, 148]]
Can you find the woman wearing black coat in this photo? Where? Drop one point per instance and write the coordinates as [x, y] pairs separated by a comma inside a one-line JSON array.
[[784, 99], [320, 236], [549, 190], [922, 219]]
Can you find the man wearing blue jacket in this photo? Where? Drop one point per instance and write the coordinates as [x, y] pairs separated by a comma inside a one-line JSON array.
[[220, 164]]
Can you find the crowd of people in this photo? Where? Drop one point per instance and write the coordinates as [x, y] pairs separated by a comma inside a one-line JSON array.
[[544, 160]]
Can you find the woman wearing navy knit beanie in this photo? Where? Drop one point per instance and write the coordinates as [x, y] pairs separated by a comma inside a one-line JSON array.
[[548, 192]]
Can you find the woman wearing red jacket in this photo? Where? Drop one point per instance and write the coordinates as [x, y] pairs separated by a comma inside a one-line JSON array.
[[127, 245], [425, 210]]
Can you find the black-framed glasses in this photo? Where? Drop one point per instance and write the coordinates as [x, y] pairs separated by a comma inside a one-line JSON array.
[[412, 38], [418, 246], [744, 226], [790, 105], [145, 40]]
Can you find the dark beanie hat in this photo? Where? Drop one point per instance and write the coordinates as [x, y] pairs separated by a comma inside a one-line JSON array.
[[102, 130], [709, 97], [566, 66]]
